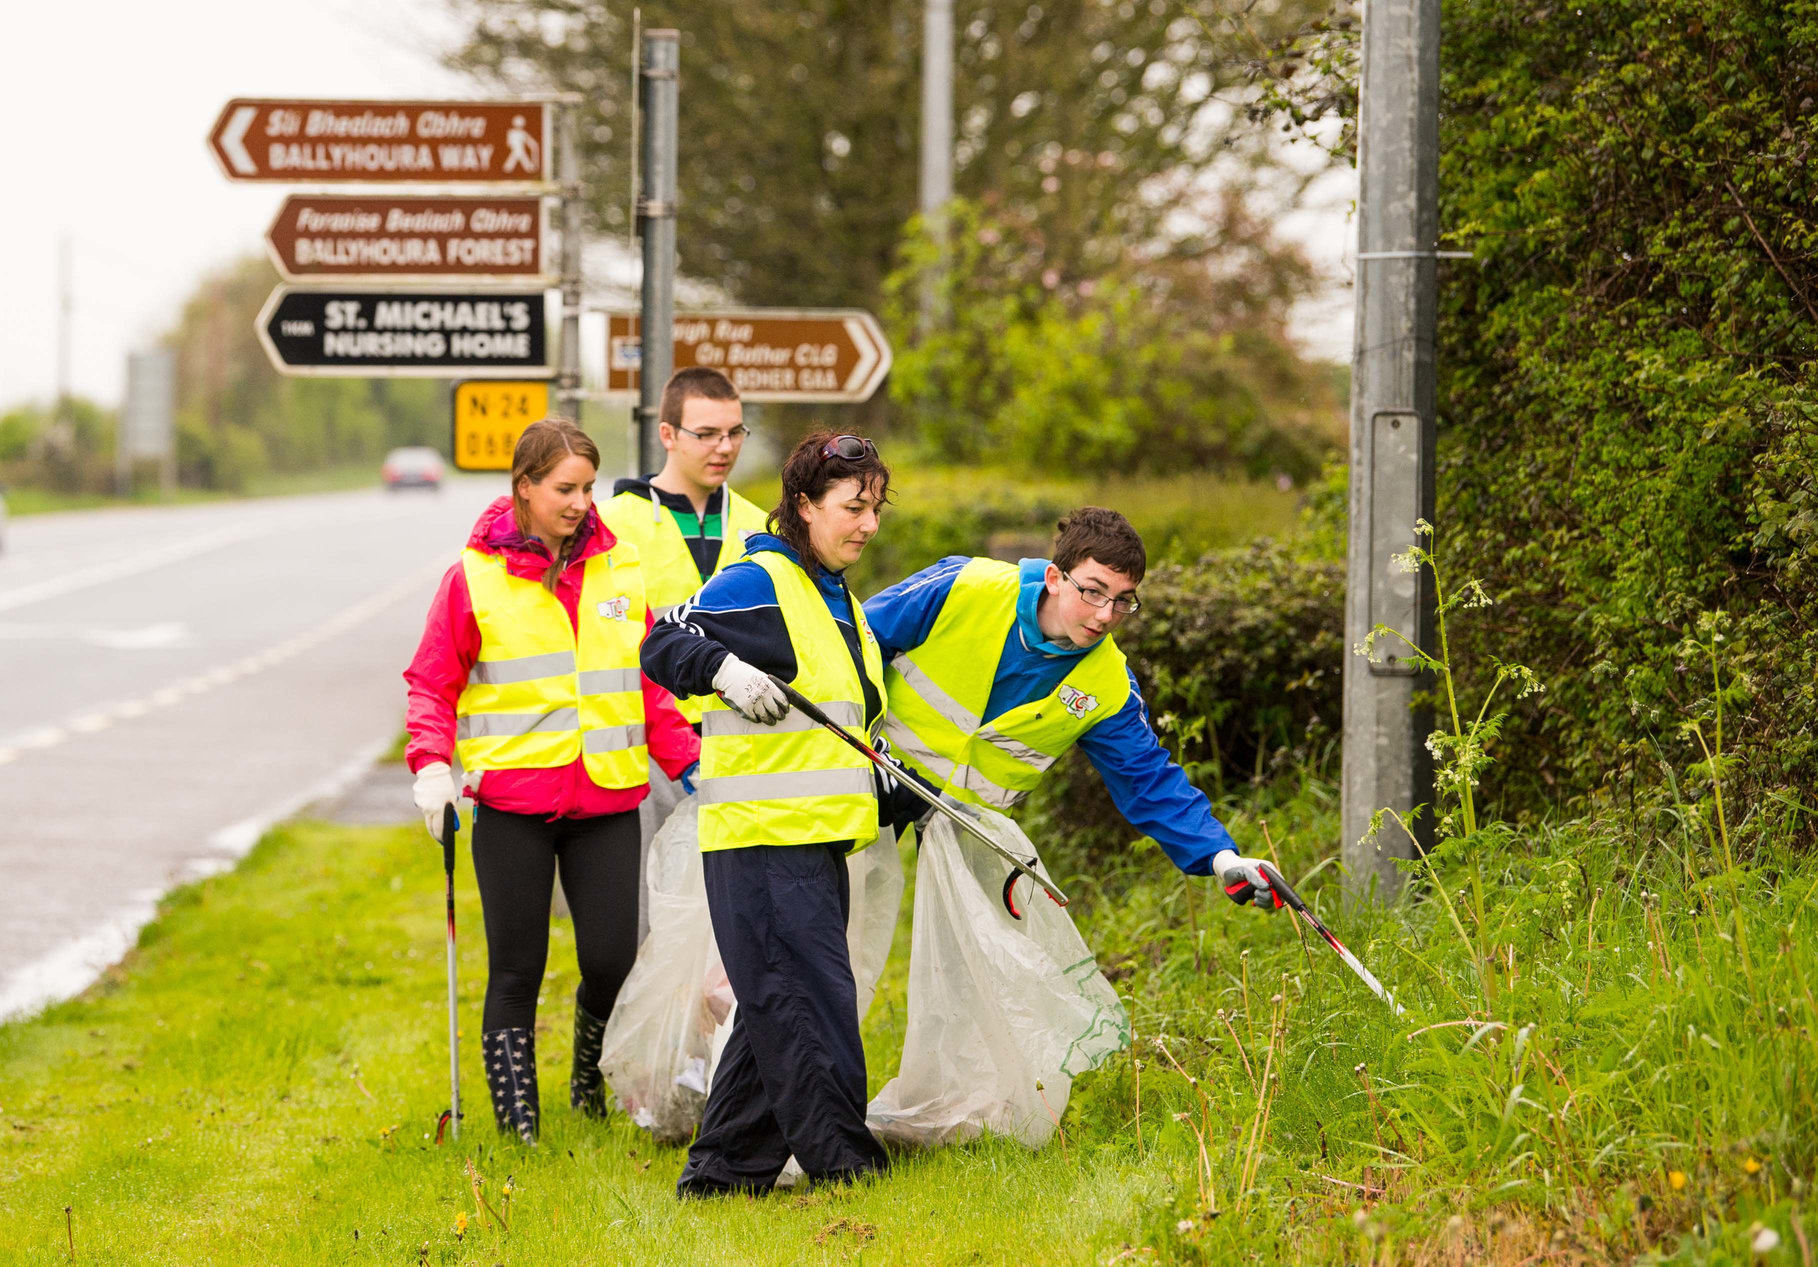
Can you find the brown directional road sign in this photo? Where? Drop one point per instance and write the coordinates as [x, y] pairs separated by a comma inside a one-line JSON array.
[[443, 142], [389, 235], [770, 354]]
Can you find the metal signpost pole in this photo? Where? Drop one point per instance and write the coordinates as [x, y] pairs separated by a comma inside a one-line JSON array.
[[568, 382], [656, 216], [1386, 764], [937, 141]]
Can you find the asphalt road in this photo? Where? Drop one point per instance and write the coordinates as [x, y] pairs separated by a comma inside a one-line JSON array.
[[173, 680]]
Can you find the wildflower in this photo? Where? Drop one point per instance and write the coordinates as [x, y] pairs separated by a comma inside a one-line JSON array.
[[1765, 1241], [1676, 1178], [1184, 1226], [1752, 1166], [460, 1225]]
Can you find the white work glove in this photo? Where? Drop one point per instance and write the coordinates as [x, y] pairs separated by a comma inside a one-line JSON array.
[[1243, 881], [434, 791], [750, 692]]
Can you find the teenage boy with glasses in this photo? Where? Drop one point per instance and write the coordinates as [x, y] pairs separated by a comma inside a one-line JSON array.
[[994, 670], [685, 522]]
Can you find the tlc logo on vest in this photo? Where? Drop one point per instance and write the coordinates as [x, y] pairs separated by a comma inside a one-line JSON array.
[[1076, 701], [615, 608]]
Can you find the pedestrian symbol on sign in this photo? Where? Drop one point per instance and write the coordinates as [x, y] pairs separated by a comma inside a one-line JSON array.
[[523, 147]]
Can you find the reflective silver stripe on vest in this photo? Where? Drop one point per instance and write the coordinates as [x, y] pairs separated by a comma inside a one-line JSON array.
[[1016, 750], [612, 738], [721, 722], [790, 785], [524, 668], [934, 696], [968, 779], [501, 725], [905, 742], [610, 681], [657, 613]]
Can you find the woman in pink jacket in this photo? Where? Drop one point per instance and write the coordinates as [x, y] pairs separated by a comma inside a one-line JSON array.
[[528, 673]]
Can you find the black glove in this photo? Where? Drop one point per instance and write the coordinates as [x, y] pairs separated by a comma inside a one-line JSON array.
[[897, 807]]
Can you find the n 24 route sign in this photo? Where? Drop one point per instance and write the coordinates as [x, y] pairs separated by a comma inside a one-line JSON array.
[[440, 142], [490, 415], [402, 333], [836, 355]]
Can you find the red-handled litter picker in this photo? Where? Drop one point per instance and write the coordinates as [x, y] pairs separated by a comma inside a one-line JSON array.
[[1293, 899], [451, 1116], [808, 709]]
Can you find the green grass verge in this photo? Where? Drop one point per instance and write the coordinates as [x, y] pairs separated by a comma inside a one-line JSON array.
[[255, 1083], [23, 500]]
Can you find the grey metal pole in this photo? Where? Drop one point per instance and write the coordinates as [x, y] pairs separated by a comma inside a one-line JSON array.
[[656, 216], [1386, 764], [937, 139], [568, 380]]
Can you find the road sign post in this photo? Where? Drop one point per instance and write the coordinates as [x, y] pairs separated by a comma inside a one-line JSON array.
[[421, 333], [824, 356], [490, 415], [659, 80]]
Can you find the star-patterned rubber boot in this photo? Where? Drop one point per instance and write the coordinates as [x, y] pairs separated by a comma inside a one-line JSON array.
[[511, 1075], [586, 1084]]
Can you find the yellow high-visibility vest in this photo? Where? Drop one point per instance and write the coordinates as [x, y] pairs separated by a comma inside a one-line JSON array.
[[794, 783], [670, 576], [938, 691], [542, 694]]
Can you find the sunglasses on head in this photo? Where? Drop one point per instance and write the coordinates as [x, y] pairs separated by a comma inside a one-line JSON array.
[[852, 448]]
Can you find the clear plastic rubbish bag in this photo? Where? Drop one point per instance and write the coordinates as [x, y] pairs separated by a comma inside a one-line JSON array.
[[1003, 1014], [660, 1033], [674, 1011]]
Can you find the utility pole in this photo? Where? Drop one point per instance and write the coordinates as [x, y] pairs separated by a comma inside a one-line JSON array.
[[937, 141], [568, 379], [656, 218], [1386, 763]]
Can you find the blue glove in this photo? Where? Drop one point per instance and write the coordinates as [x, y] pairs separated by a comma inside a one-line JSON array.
[[688, 777]]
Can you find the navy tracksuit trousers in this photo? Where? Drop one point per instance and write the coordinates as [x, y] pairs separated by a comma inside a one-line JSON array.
[[792, 1078]]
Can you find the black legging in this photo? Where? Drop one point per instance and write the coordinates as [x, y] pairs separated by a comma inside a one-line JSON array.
[[515, 858]]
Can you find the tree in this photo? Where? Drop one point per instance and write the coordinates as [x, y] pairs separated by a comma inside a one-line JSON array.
[[1102, 120]]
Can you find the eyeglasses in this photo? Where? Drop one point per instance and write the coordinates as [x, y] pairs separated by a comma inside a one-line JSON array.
[[852, 448], [712, 438], [1098, 598]]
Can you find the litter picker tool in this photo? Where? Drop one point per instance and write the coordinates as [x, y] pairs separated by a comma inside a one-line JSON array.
[[451, 1117], [1022, 866], [1293, 899]]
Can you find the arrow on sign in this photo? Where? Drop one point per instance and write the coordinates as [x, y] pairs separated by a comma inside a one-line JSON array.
[[870, 351], [233, 140]]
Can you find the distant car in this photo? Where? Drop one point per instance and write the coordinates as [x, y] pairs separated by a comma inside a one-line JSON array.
[[414, 467]]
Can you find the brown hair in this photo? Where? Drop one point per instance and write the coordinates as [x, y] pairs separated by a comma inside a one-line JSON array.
[[685, 385], [807, 474], [540, 449], [1092, 532]]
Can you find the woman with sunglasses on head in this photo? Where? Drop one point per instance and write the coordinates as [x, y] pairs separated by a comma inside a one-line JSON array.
[[996, 669], [528, 672], [782, 803]]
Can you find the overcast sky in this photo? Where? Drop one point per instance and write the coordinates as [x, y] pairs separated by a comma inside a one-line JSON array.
[[108, 107], [109, 104]]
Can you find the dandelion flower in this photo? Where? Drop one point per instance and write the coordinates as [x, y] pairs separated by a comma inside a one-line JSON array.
[[1752, 1166], [1676, 1178], [461, 1223]]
